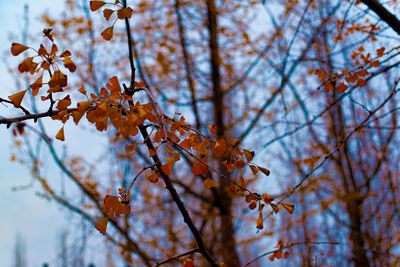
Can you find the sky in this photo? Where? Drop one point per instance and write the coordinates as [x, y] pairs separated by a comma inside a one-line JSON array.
[[39, 222]]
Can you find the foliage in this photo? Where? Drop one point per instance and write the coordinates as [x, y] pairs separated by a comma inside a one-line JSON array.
[[317, 85]]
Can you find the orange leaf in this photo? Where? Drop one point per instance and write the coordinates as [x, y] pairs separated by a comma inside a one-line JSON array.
[[199, 168], [16, 98], [107, 13], [220, 147], [64, 103], [101, 225], [271, 257], [209, 183], [249, 154], [267, 198], [188, 262], [107, 34], [253, 205], [95, 5], [82, 90], [250, 197], [374, 63], [82, 106], [167, 168], [125, 13], [37, 85], [288, 207], [286, 255], [77, 115], [69, 64], [379, 52], [60, 134], [153, 178], [274, 207], [17, 49], [341, 88], [254, 169], [130, 148], [264, 170], [212, 129], [361, 82], [260, 221]]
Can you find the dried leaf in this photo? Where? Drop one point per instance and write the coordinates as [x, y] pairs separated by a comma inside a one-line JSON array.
[[95, 5], [17, 49], [16, 98], [209, 183], [101, 225], [60, 134], [107, 34], [125, 13], [199, 168], [288, 207]]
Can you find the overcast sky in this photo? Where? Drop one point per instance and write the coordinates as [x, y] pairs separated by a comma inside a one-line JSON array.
[[39, 222]]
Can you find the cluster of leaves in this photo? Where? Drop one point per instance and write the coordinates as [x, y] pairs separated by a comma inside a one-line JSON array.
[[114, 105]]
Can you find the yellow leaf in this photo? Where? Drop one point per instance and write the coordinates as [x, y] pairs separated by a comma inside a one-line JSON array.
[[60, 134], [17, 49], [16, 98], [288, 207], [208, 183]]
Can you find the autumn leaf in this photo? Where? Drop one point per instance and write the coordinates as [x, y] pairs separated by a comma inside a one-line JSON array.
[[254, 169], [64, 103], [220, 147], [107, 34], [379, 52], [107, 13], [274, 207], [69, 64], [37, 85], [167, 168], [209, 183], [113, 205], [264, 170], [95, 5], [288, 207], [250, 198], [17, 49], [188, 262], [153, 178], [101, 225], [60, 134], [341, 88], [131, 147], [253, 205], [260, 221], [125, 13], [199, 168], [16, 98], [249, 155]]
